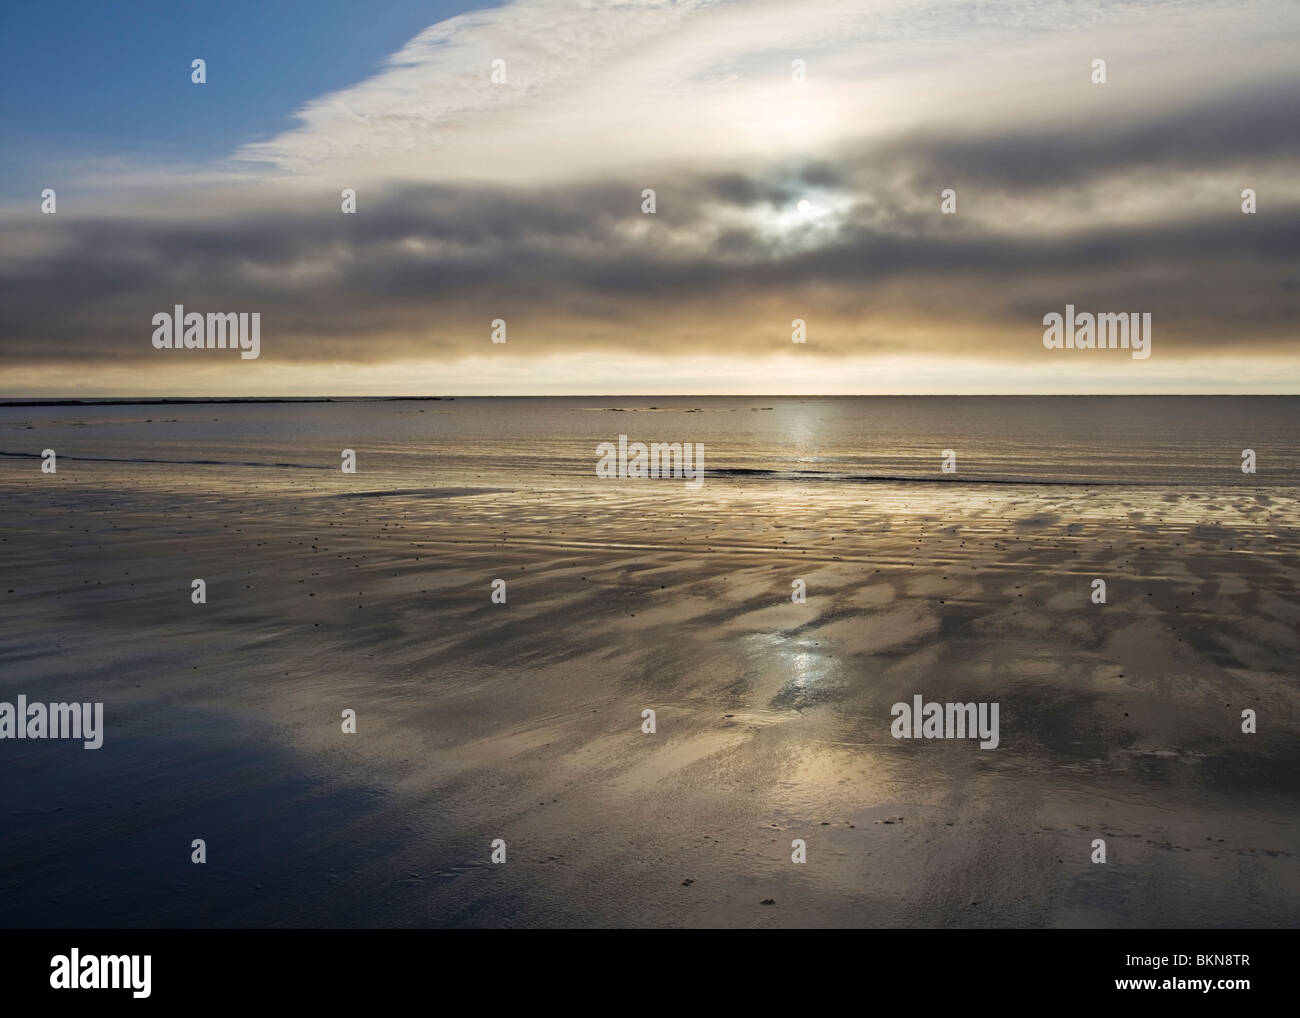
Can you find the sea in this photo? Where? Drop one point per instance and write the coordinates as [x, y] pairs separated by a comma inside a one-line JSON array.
[[1199, 441]]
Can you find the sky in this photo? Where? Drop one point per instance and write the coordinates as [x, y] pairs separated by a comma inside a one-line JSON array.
[[798, 155]]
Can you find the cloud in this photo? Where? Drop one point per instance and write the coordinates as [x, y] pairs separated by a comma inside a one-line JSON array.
[[479, 201]]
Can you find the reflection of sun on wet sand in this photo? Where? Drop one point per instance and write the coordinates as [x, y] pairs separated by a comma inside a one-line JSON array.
[[523, 721]]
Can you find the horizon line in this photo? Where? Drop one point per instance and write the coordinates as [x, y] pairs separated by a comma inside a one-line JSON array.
[[284, 398]]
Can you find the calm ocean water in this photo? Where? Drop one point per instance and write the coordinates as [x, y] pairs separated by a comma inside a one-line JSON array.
[[543, 441]]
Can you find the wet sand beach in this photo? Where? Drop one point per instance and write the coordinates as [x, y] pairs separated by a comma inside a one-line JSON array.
[[523, 721]]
